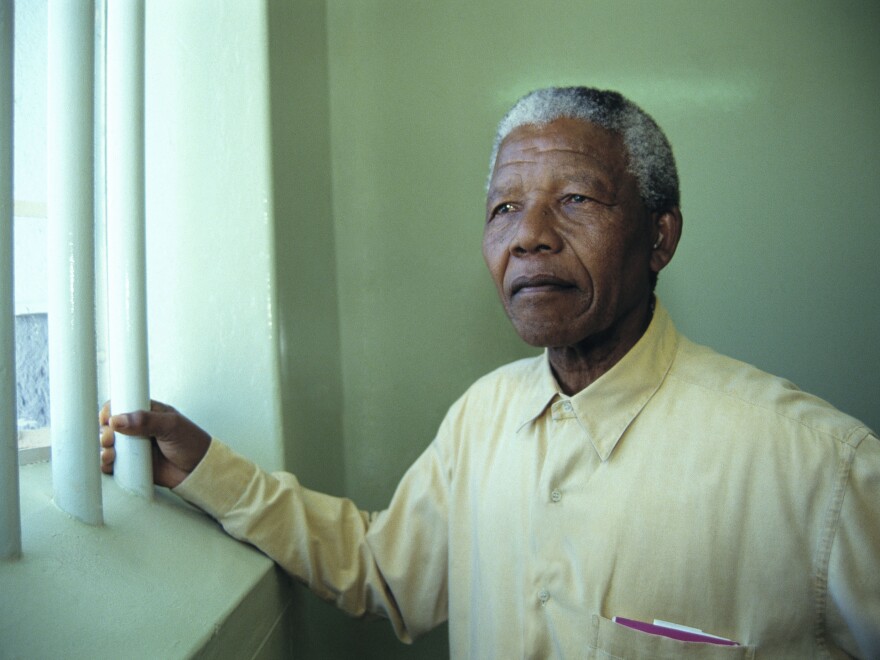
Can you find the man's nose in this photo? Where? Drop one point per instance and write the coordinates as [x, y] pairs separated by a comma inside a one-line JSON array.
[[536, 231]]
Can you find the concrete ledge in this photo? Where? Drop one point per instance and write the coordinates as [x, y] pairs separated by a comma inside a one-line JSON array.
[[158, 580]]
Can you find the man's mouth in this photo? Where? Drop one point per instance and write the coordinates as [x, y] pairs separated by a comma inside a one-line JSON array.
[[538, 284]]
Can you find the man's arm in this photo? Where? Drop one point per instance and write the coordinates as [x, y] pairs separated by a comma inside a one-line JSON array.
[[393, 563]]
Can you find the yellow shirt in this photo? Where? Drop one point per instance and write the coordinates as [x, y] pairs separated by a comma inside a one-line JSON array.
[[682, 485]]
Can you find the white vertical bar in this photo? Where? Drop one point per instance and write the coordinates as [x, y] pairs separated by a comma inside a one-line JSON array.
[[10, 511], [73, 395], [126, 260]]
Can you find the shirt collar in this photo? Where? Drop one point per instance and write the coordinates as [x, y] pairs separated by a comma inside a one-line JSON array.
[[541, 391], [608, 406]]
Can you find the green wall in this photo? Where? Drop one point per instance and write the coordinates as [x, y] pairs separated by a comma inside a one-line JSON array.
[[305, 260], [771, 109]]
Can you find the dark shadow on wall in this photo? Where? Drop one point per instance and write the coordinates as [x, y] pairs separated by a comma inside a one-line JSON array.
[[305, 265], [308, 312]]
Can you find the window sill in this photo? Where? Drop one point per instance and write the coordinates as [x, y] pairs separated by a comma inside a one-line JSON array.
[[33, 446], [159, 579]]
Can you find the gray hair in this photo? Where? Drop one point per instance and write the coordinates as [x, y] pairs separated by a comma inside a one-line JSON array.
[[650, 154]]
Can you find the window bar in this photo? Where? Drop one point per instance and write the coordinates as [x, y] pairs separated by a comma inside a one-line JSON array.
[[126, 250], [73, 395], [10, 509]]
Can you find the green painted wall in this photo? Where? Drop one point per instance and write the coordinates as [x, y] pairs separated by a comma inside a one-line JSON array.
[[305, 259], [771, 109]]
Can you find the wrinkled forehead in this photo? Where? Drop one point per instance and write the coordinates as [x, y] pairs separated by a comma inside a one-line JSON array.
[[564, 147]]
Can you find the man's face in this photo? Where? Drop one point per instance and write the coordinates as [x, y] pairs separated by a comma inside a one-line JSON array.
[[567, 238]]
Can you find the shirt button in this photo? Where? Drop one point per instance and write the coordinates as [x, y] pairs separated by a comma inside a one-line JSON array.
[[566, 406], [543, 596], [556, 495]]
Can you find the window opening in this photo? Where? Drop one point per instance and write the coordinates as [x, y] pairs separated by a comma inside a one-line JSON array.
[[30, 225]]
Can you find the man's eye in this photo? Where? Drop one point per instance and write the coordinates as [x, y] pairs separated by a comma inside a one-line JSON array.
[[578, 199], [502, 209]]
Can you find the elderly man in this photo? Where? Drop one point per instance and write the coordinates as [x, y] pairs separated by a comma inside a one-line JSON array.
[[625, 475]]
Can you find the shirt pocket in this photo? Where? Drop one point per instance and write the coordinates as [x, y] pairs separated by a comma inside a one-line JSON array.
[[611, 640]]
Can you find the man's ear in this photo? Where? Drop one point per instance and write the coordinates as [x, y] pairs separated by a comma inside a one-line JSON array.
[[667, 233]]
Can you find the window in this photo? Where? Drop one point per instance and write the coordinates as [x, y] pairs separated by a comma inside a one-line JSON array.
[[31, 332], [30, 225], [31, 228], [68, 173]]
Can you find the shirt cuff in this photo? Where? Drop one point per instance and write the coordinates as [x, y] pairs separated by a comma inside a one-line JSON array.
[[218, 481]]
